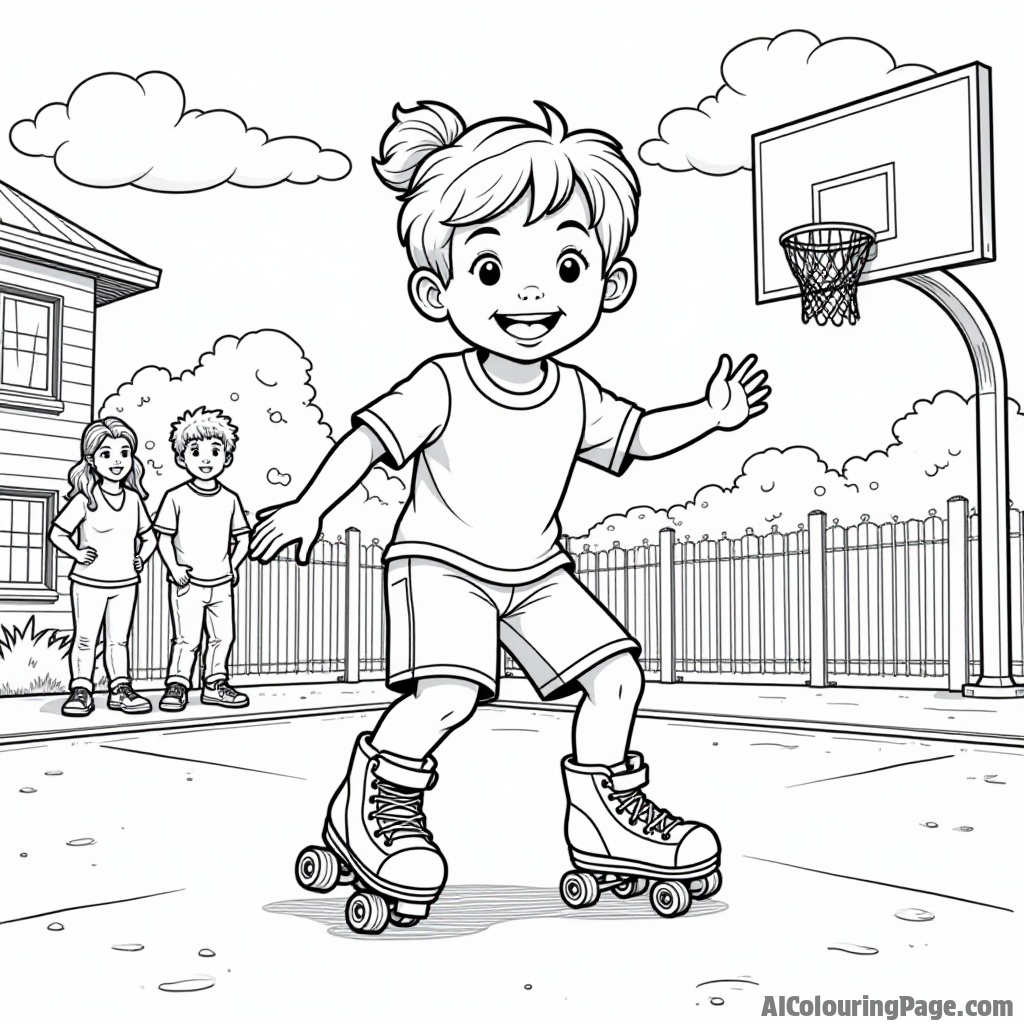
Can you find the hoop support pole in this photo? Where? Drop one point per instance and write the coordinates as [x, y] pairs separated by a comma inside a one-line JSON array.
[[978, 332]]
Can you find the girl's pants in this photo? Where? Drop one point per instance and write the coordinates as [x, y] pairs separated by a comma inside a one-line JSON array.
[[111, 608]]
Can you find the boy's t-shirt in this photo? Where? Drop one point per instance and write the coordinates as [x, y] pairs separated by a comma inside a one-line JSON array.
[[492, 465], [202, 524], [110, 531]]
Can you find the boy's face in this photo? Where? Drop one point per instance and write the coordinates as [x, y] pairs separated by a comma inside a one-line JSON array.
[[205, 459], [525, 291]]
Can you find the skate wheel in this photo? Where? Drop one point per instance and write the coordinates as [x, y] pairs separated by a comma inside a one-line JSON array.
[[366, 913], [317, 869], [705, 888], [579, 889], [631, 887], [670, 899]]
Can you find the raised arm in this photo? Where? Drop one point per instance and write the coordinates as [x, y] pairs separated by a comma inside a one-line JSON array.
[[732, 398], [299, 521]]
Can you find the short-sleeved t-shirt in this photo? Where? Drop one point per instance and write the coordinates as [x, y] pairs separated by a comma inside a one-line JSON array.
[[492, 465], [111, 531], [202, 524]]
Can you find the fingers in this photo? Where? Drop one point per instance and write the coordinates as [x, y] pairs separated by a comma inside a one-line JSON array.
[[268, 511], [259, 536], [757, 410], [305, 550], [751, 382], [724, 367], [270, 546], [744, 369], [759, 396]]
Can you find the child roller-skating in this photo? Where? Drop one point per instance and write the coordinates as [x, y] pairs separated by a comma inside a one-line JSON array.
[[516, 232]]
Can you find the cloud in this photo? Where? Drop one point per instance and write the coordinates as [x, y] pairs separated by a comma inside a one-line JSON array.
[[277, 478], [769, 82], [116, 130]]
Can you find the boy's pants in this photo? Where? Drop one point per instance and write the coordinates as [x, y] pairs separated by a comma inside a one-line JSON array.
[[192, 609], [111, 608]]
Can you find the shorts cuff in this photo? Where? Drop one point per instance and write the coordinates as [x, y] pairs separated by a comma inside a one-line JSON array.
[[568, 681], [405, 682]]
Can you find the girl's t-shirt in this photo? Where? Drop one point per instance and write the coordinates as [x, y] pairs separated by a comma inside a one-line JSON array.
[[111, 531]]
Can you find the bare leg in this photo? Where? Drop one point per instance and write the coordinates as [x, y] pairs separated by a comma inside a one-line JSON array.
[[415, 724], [604, 719]]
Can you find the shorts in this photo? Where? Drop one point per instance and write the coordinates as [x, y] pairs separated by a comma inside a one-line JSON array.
[[443, 622]]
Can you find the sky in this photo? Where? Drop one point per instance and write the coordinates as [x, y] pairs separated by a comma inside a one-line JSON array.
[[322, 263]]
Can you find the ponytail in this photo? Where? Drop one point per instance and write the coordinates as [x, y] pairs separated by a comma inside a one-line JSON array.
[[414, 135]]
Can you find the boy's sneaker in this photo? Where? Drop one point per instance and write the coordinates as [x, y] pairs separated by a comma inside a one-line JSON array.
[[79, 703], [123, 698], [175, 697], [223, 695]]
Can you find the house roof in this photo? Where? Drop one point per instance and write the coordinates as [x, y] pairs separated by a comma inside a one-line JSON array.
[[33, 232]]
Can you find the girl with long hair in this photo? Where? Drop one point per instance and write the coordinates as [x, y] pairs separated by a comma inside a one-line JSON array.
[[105, 529]]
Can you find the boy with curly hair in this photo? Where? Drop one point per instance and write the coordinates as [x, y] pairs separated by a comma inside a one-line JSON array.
[[203, 538]]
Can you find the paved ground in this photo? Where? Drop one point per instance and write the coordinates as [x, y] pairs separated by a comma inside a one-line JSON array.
[[213, 823]]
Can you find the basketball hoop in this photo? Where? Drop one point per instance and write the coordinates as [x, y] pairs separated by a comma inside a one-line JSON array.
[[827, 260]]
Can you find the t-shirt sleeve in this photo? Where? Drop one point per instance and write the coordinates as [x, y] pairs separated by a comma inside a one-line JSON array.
[[411, 415], [72, 515], [167, 515], [609, 425], [239, 522]]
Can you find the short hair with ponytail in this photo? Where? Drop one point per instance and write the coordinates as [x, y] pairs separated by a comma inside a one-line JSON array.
[[449, 176]]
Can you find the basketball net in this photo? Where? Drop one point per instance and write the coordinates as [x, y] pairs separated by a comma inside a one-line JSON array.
[[827, 260]]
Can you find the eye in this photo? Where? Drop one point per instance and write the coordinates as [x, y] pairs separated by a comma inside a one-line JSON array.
[[570, 265], [124, 453], [215, 452], [104, 455], [487, 268], [195, 453]]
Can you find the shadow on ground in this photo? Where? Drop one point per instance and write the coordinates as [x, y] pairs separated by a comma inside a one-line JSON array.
[[469, 909]]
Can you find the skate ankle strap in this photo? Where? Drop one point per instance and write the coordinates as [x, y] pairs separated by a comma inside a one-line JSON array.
[[624, 781], [402, 775]]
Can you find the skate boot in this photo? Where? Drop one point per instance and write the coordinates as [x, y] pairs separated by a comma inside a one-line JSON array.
[[377, 840], [620, 840]]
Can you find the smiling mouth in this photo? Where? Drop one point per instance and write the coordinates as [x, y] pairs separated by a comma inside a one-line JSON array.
[[206, 469], [528, 327], [116, 470]]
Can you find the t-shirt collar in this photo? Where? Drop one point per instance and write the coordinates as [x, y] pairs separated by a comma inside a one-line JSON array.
[[502, 396], [200, 490]]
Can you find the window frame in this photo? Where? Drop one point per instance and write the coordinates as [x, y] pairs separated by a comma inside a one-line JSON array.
[[34, 399], [46, 590]]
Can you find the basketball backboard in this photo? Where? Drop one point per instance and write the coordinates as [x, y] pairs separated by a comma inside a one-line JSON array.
[[913, 164]]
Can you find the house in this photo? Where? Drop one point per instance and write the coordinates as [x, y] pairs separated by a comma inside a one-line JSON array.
[[53, 277]]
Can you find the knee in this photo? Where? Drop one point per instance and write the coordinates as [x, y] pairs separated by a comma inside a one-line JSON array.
[[85, 644], [619, 679], [451, 701]]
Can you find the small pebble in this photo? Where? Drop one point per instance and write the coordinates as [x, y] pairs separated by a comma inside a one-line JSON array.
[[527, 987], [716, 1001], [915, 914], [963, 828], [197, 984], [207, 952], [56, 926], [852, 947], [26, 789], [129, 947], [53, 773], [22, 854], [80, 842], [931, 824]]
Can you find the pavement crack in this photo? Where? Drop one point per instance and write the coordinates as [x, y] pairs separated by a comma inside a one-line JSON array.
[[868, 771], [194, 760]]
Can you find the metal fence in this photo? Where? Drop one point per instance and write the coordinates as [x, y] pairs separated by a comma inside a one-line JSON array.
[[874, 597]]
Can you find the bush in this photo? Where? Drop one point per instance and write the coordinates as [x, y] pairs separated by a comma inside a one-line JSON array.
[[33, 661]]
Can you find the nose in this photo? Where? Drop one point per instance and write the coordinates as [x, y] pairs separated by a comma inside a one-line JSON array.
[[531, 291]]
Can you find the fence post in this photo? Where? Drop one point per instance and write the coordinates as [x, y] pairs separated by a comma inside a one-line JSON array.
[[958, 581], [353, 557], [817, 596], [667, 600]]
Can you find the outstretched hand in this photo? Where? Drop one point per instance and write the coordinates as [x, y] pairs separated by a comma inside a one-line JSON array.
[[281, 525], [736, 396]]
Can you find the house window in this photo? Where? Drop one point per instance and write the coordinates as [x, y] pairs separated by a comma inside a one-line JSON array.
[[26, 557], [29, 348]]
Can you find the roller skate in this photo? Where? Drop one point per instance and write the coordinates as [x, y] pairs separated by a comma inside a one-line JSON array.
[[376, 840], [620, 841]]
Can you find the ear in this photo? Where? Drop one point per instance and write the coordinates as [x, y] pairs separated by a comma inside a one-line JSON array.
[[427, 294], [618, 285], [179, 460], [229, 457], [91, 460]]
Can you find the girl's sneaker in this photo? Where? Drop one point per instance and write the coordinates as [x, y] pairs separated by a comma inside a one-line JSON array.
[[123, 698], [175, 697], [79, 703]]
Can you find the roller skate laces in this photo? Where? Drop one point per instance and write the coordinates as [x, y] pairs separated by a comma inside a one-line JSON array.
[[641, 809], [398, 812]]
